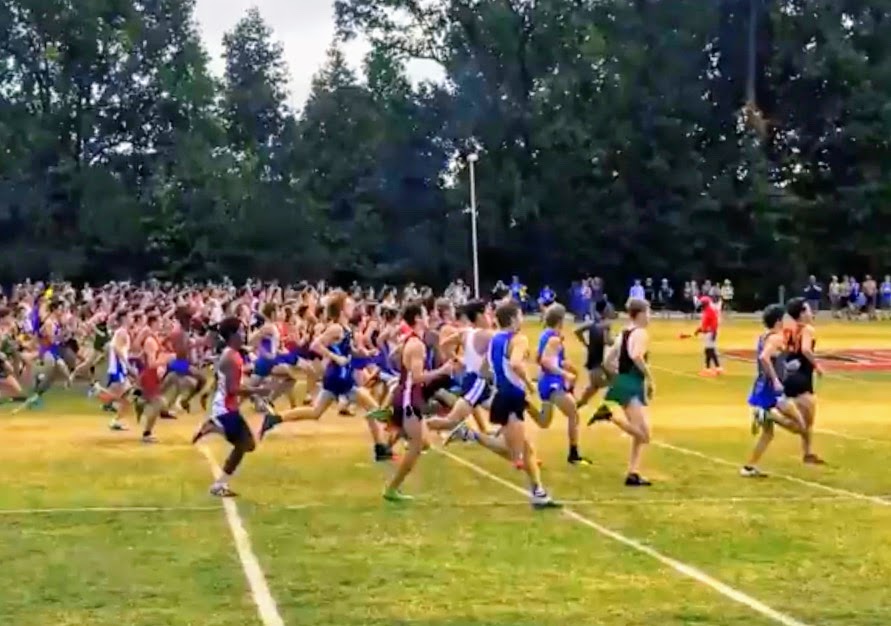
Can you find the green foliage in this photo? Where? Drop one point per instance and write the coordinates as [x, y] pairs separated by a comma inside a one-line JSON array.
[[611, 132]]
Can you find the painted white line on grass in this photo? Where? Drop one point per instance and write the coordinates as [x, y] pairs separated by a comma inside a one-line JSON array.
[[678, 566], [109, 509], [266, 606], [422, 502], [792, 479], [834, 433]]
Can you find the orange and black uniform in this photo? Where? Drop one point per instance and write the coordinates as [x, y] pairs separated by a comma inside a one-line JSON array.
[[799, 369]]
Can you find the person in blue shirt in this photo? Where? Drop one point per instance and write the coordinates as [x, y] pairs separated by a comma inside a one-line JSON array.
[[557, 380], [546, 297], [885, 295], [637, 291], [508, 351]]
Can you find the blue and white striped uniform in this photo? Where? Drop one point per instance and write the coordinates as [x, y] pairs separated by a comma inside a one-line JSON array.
[[475, 388]]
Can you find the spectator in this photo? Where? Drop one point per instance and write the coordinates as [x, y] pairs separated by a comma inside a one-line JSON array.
[[649, 290], [885, 291], [813, 293], [664, 296], [835, 294], [637, 291], [727, 294], [870, 294]]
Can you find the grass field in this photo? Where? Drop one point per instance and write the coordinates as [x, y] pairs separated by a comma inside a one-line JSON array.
[[96, 529]]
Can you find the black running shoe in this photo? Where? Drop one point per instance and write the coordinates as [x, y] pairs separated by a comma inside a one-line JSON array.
[[636, 480], [602, 414], [270, 421]]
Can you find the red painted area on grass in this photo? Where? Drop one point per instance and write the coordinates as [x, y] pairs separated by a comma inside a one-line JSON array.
[[852, 360]]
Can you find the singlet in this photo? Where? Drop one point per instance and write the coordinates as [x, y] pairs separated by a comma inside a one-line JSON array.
[[626, 364], [778, 360], [344, 348], [101, 336], [596, 344], [269, 345], [506, 380], [796, 362], [473, 360], [542, 344], [224, 401]]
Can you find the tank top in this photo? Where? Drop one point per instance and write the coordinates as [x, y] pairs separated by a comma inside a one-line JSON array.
[[626, 364], [778, 360], [796, 362], [223, 401], [506, 380], [473, 360], [542, 344]]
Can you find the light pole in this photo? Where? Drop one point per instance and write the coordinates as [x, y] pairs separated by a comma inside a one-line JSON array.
[[472, 159]]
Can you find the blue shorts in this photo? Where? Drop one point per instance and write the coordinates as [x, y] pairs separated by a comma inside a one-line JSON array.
[[548, 384], [55, 351], [338, 386], [475, 390], [180, 367], [764, 396], [361, 362], [264, 365], [289, 358], [116, 377]]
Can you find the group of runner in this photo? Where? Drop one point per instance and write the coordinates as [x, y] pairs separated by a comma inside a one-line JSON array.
[[414, 368]]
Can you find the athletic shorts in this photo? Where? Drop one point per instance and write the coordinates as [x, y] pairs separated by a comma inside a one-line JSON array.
[[505, 405], [764, 396], [550, 384], [180, 367], [798, 384], [407, 403], [264, 365], [150, 383], [339, 387], [475, 389], [234, 426]]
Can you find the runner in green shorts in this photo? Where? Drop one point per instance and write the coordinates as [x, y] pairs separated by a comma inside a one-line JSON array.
[[633, 385]]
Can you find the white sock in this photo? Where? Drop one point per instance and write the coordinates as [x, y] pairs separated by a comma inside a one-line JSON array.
[[223, 480]]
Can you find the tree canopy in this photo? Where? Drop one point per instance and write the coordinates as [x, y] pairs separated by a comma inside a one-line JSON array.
[[739, 138]]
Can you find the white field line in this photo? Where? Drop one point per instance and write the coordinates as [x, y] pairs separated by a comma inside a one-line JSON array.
[[792, 479], [422, 502], [678, 566], [835, 433], [266, 607]]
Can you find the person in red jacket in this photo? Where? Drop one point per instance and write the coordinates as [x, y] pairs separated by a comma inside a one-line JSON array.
[[708, 328]]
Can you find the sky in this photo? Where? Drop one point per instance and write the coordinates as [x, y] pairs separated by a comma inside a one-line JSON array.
[[305, 34]]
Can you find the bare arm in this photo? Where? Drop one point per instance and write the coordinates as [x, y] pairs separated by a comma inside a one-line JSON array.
[[321, 344], [807, 348], [582, 332], [771, 348], [518, 349], [637, 350]]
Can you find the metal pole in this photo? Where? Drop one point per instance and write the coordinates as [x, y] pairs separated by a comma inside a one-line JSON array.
[[474, 243]]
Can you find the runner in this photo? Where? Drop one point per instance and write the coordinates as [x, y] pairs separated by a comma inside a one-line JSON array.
[[768, 403], [408, 399], [225, 418], [335, 345], [508, 351], [633, 385], [801, 363]]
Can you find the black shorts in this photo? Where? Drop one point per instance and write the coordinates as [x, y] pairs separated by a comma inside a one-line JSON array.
[[798, 384], [443, 382], [505, 405], [235, 427]]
